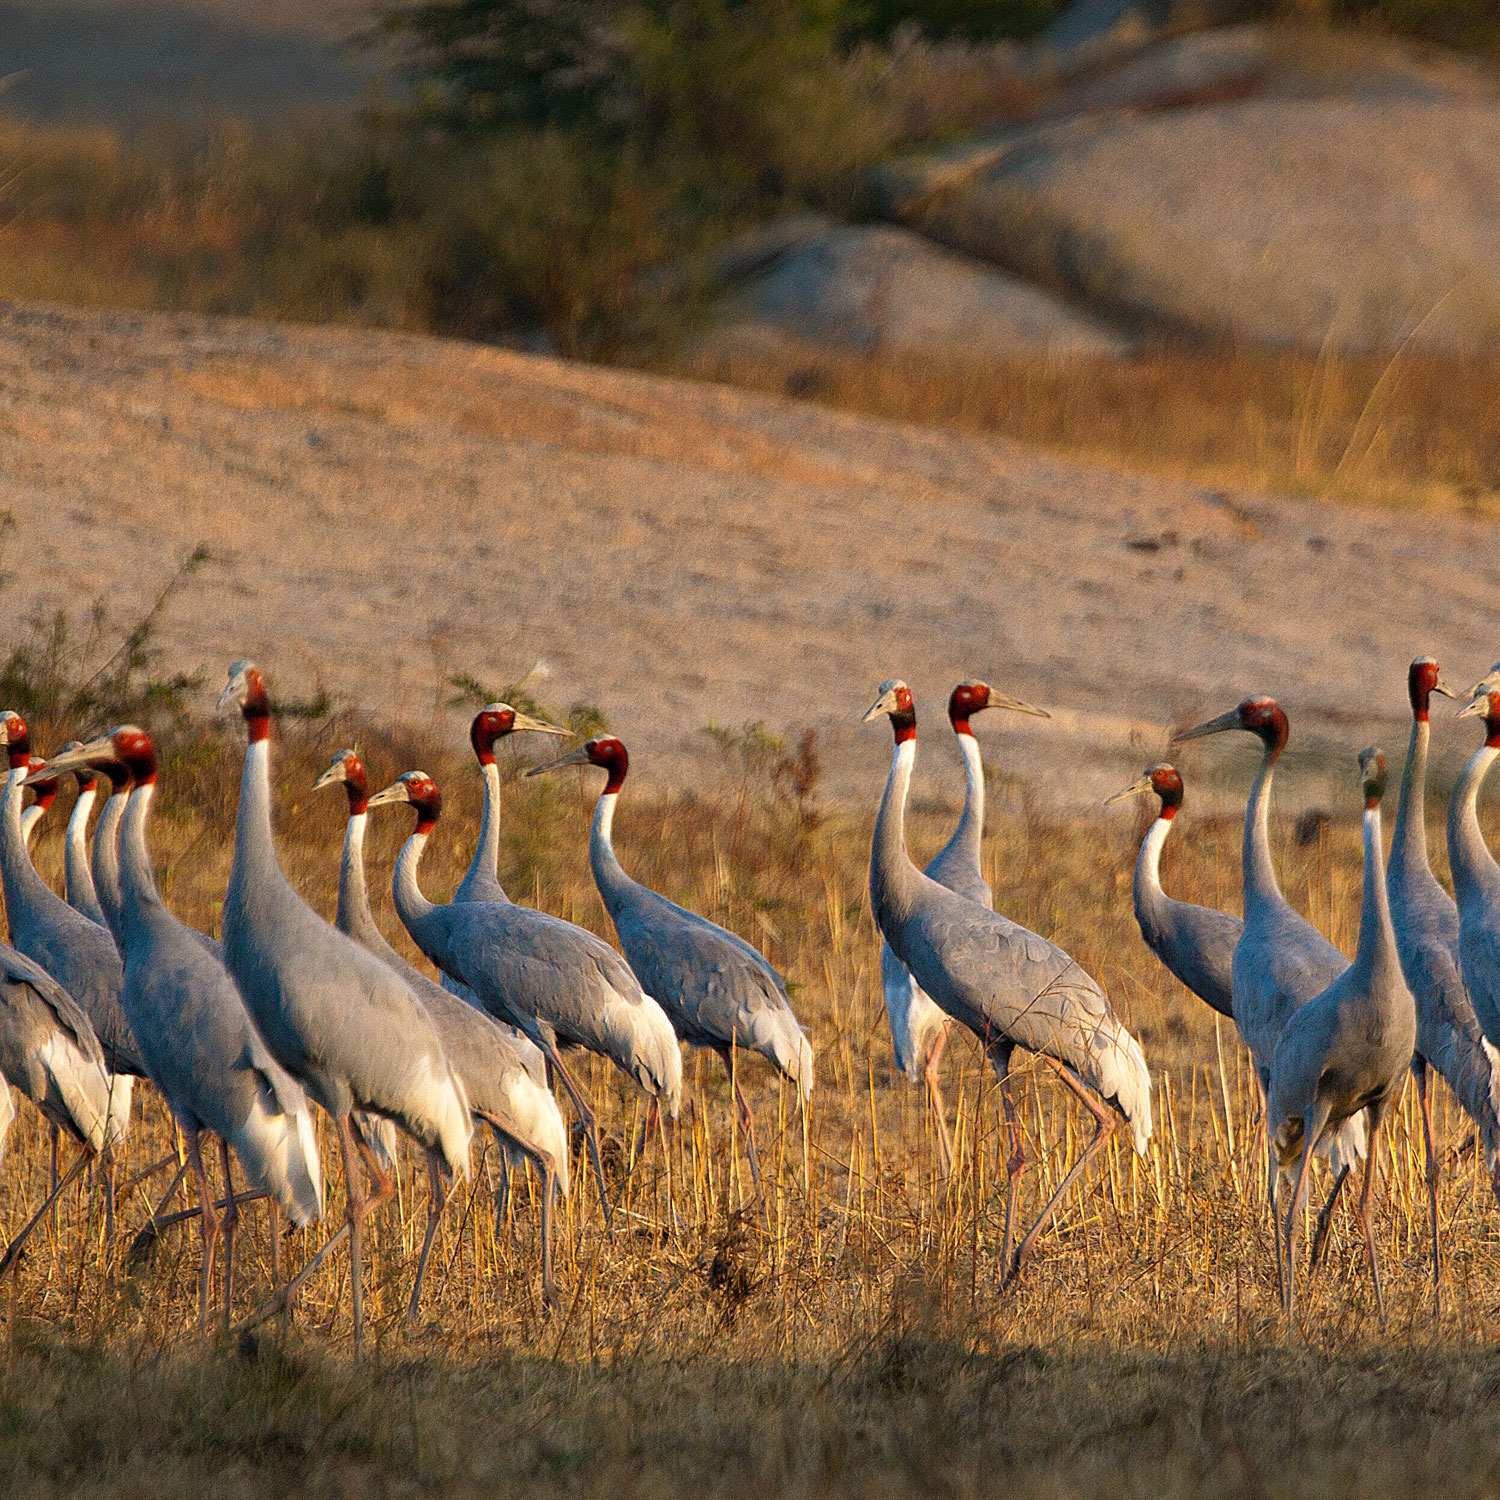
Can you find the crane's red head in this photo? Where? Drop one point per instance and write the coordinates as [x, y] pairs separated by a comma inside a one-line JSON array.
[[16, 737], [86, 777], [44, 793], [1167, 785], [604, 751], [1423, 679], [419, 789], [247, 689], [895, 701], [1486, 704], [495, 720], [492, 722], [348, 768], [1161, 779], [134, 750], [1260, 716], [967, 698]]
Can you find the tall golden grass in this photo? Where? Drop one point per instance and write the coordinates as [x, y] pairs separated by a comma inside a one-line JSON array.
[[1414, 431], [845, 1335]]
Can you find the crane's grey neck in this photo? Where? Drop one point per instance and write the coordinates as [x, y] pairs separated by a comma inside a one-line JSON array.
[[141, 903], [78, 883], [106, 860], [1261, 885], [611, 879], [968, 837], [1474, 868], [354, 918], [1150, 899], [24, 888], [893, 877], [1376, 957], [1409, 837], [411, 904], [255, 861], [483, 874]]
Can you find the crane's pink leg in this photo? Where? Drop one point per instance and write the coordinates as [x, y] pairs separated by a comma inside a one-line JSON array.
[[437, 1201], [590, 1126], [747, 1120], [935, 1101], [1325, 1223], [231, 1224], [211, 1226], [1104, 1129], [1016, 1164], [549, 1200], [1419, 1072], [356, 1209], [1371, 1167]]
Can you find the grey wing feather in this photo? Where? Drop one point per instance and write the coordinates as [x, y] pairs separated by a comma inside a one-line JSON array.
[[16, 968], [1196, 943]]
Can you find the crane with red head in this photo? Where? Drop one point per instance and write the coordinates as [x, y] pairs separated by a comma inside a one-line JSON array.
[[1195, 943], [718, 992], [919, 1028], [1010, 987], [491, 1061]]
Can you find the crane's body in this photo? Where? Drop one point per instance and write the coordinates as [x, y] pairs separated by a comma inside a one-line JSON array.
[[76, 952], [1010, 987], [1345, 1052], [1281, 960], [1426, 923], [1476, 876], [336, 1017], [557, 982], [919, 1027], [717, 991], [490, 1060], [199, 1045], [1195, 943]]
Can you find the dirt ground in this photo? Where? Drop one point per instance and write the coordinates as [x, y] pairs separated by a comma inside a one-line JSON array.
[[385, 510]]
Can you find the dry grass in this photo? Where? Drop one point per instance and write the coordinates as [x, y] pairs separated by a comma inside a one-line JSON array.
[[1415, 430], [849, 1338]]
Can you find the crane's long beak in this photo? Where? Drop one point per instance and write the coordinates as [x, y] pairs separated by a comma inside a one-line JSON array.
[[1015, 705], [72, 760], [395, 792], [537, 726], [884, 704], [578, 757], [1479, 705], [1442, 687], [1137, 788], [331, 777], [1230, 720]]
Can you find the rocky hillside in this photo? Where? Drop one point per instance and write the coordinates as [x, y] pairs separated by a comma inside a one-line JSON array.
[[383, 510]]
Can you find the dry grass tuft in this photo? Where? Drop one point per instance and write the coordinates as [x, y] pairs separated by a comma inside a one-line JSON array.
[[847, 1337], [1415, 430]]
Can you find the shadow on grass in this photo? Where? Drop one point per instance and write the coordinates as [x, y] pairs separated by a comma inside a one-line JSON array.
[[906, 1416]]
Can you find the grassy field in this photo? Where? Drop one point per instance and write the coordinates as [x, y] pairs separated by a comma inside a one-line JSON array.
[[848, 1334]]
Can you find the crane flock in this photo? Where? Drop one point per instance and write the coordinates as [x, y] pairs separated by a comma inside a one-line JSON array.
[[241, 1036]]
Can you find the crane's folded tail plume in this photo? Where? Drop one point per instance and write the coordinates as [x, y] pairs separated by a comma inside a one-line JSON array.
[[279, 1152]]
